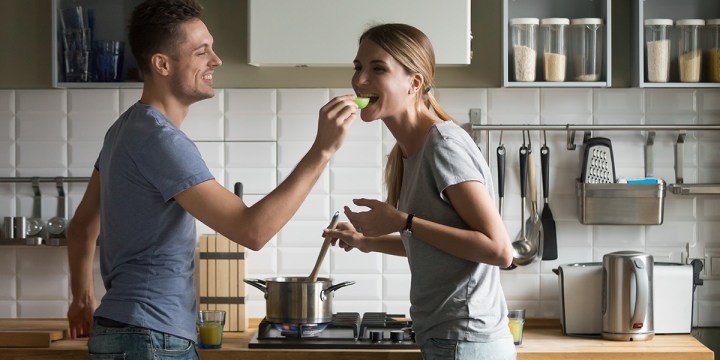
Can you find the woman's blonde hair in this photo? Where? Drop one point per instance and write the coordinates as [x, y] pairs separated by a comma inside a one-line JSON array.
[[414, 51]]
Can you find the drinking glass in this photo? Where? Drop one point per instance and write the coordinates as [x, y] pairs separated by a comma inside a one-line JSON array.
[[210, 325]]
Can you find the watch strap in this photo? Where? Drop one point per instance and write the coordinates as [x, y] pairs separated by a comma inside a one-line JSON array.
[[408, 222]]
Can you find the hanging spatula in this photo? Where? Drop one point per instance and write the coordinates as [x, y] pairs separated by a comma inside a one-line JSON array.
[[546, 217]]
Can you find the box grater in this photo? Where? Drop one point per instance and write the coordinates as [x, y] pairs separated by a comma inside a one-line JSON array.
[[598, 163]]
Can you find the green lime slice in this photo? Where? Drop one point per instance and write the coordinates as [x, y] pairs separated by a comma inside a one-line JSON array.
[[362, 102]]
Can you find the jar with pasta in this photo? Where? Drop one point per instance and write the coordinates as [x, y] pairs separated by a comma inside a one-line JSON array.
[[690, 49], [657, 53], [524, 43], [712, 50], [554, 48]]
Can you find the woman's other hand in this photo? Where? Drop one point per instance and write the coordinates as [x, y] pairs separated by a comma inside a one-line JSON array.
[[381, 219]]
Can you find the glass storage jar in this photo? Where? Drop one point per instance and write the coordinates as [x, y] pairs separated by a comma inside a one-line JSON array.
[[712, 49], [657, 54], [690, 49], [554, 48], [524, 43], [586, 48]]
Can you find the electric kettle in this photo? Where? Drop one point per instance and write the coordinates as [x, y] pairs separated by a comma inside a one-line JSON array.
[[627, 306]]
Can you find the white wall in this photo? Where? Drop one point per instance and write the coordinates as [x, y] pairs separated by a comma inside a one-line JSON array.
[[256, 136]]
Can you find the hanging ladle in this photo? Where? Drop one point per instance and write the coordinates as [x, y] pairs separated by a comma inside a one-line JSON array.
[[523, 250], [56, 225]]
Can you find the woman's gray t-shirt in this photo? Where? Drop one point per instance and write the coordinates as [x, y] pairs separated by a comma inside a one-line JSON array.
[[451, 298]]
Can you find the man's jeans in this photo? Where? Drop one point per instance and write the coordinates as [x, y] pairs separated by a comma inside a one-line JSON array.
[[111, 340]]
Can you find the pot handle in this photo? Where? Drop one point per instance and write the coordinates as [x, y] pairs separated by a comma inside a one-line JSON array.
[[642, 284], [259, 284], [325, 292]]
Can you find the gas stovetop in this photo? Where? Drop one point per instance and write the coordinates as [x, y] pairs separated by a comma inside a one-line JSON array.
[[346, 331]]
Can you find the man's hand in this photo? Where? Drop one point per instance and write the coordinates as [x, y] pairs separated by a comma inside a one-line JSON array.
[[80, 316]]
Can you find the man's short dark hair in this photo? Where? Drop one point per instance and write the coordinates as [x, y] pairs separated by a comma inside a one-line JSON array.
[[154, 28]]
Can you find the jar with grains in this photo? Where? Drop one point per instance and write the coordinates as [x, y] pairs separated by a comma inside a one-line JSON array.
[[657, 54], [554, 48], [586, 48], [524, 43], [690, 49], [712, 49]]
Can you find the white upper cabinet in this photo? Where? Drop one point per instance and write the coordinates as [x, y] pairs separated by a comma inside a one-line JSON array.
[[326, 32]]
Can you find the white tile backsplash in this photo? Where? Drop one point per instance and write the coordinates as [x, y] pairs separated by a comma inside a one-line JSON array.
[[302, 101], [7, 126], [46, 100], [41, 126], [554, 102], [257, 136], [7, 101], [205, 120], [7, 154], [81, 101]]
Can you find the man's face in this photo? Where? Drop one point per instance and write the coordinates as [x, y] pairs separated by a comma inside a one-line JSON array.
[[193, 63]]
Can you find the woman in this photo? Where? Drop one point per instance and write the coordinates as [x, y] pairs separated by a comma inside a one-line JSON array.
[[439, 199]]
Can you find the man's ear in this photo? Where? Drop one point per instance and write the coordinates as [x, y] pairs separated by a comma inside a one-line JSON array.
[[160, 64]]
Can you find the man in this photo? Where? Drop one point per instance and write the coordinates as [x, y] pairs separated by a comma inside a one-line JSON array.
[[150, 181]]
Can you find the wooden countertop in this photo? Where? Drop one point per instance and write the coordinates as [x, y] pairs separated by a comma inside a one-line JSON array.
[[541, 340]]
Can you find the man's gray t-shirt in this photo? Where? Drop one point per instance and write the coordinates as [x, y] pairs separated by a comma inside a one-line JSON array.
[[451, 298], [147, 240]]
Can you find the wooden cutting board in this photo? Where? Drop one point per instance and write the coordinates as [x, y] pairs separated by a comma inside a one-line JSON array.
[[221, 272], [32, 333]]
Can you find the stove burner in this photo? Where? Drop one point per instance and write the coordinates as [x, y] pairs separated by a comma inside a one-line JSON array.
[[300, 330], [348, 330]]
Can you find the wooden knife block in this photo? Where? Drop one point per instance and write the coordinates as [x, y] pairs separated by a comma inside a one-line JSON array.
[[221, 272]]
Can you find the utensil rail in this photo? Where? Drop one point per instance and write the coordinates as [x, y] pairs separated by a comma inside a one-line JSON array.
[[43, 179], [679, 188]]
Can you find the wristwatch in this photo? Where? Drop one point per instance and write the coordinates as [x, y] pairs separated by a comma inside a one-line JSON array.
[[408, 225]]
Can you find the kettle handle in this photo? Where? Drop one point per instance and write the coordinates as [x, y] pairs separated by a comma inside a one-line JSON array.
[[642, 290]]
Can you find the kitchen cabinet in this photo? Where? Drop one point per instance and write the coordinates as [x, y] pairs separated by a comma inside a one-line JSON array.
[[325, 32], [571, 9], [673, 10], [91, 21]]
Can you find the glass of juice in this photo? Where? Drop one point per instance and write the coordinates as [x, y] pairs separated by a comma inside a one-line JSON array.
[[516, 320], [210, 325]]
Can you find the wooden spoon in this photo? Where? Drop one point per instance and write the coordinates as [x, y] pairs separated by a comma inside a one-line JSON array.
[[326, 244]]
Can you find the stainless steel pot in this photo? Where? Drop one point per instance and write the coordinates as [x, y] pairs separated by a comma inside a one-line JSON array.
[[296, 300]]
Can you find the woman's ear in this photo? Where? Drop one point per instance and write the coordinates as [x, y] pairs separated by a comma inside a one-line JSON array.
[[416, 82], [159, 64]]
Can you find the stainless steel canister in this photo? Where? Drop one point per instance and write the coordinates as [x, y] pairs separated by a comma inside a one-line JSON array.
[[19, 227], [8, 228]]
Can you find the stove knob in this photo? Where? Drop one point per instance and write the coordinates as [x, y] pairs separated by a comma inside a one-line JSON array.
[[396, 336], [376, 336]]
